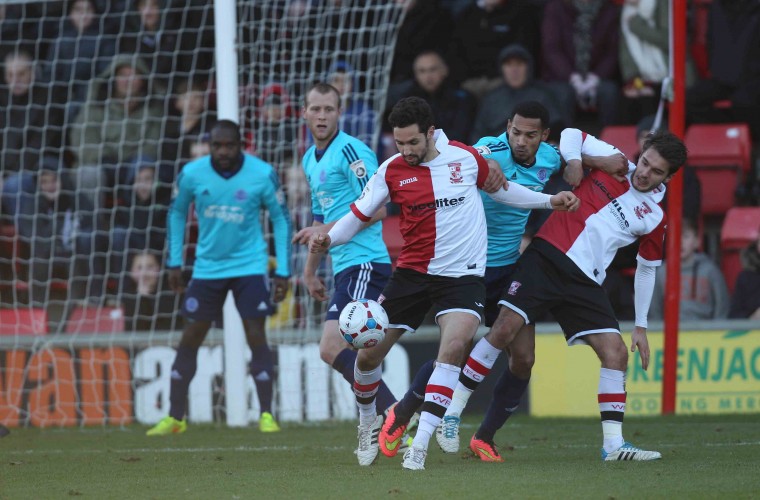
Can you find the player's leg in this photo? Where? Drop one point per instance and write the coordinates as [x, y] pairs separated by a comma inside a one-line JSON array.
[[203, 304], [496, 279], [405, 300], [253, 301], [507, 394], [586, 317], [368, 373], [613, 354], [458, 305], [531, 290], [362, 281]]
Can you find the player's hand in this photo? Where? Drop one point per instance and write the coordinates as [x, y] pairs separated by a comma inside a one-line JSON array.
[[639, 340], [302, 237], [495, 179], [573, 174], [565, 201], [319, 243], [316, 287], [175, 280], [281, 287], [615, 165]]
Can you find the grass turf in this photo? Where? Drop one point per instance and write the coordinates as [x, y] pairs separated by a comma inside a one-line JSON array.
[[703, 457]]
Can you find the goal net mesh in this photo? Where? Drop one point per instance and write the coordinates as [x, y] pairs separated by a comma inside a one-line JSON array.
[[102, 102]]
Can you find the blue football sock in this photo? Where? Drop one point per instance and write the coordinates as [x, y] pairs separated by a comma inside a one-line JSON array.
[[183, 371], [344, 364], [507, 394], [415, 396], [262, 371]]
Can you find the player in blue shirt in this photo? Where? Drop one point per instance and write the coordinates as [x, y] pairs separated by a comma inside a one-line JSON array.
[[337, 168], [527, 160], [229, 190]]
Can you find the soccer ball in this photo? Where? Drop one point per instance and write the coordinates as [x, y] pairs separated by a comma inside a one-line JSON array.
[[363, 323]]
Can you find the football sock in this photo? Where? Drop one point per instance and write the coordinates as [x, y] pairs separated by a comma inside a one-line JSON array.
[[612, 407], [479, 364], [344, 364], [183, 371], [414, 397], [437, 398], [507, 394], [262, 371], [365, 390]]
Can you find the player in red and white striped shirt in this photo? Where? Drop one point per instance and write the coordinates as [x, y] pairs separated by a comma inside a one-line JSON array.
[[441, 266], [562, 271]]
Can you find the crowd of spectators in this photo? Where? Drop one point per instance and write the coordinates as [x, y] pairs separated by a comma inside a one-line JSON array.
[[103, 102]]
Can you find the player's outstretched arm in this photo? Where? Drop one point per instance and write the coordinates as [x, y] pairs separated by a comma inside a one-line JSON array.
[[565, 201], [521, 197], [303, 236], [580, 150]]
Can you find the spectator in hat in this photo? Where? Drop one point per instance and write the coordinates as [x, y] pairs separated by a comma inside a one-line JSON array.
[[453, 107], [518, 85]]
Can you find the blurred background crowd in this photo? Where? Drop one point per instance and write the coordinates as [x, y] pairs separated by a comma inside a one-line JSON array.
[[103, 101]]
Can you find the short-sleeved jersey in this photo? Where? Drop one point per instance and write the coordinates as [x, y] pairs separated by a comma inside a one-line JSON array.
[[612, 215], [442, 219], [230, 237], [506, 224], [336, 180]]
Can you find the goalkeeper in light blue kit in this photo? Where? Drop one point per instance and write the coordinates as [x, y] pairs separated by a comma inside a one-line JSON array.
[[527, 160], [230, 189], [337, 168]]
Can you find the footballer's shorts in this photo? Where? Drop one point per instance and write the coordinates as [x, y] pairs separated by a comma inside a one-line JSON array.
[[545, 279], [410, 295], [204, 299], [365, 281], [497, 278]]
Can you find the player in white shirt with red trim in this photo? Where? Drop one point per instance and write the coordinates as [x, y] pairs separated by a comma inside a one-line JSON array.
[[441, 265], [562, 271]]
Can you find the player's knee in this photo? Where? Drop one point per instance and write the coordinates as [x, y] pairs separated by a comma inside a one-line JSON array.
[[521, 363], [327, 353], [615, 357]]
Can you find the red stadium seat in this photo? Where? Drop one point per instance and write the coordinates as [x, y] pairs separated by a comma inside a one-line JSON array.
[[740, 228], [23, 321], [622, 137], [95, 320], [392, 237], [721, 156]]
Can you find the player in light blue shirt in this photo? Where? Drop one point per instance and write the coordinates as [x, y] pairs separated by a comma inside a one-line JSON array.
[[337, 168], [229, 190], [527, 160]]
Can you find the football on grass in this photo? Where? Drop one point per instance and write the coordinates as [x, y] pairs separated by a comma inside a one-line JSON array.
[[363, 323]]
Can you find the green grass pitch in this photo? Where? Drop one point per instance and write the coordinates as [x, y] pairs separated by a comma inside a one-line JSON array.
[[703, 457]]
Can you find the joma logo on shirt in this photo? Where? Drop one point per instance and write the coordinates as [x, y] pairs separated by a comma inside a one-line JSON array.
[[225, 213], [404, 182]]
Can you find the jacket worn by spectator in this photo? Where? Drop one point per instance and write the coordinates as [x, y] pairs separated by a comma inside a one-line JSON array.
[[107, 131], [745, 302]]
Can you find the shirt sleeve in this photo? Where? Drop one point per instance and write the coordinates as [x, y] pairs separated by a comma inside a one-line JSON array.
[[178, 209], [374, 196], [652, 245], [643, 289], [360, 166], [274, 200], [573, 143]]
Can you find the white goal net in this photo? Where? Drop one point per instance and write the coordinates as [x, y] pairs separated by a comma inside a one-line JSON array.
[[102, 102]]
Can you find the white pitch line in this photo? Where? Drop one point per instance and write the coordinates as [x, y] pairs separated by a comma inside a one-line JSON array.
[[298, 448]]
